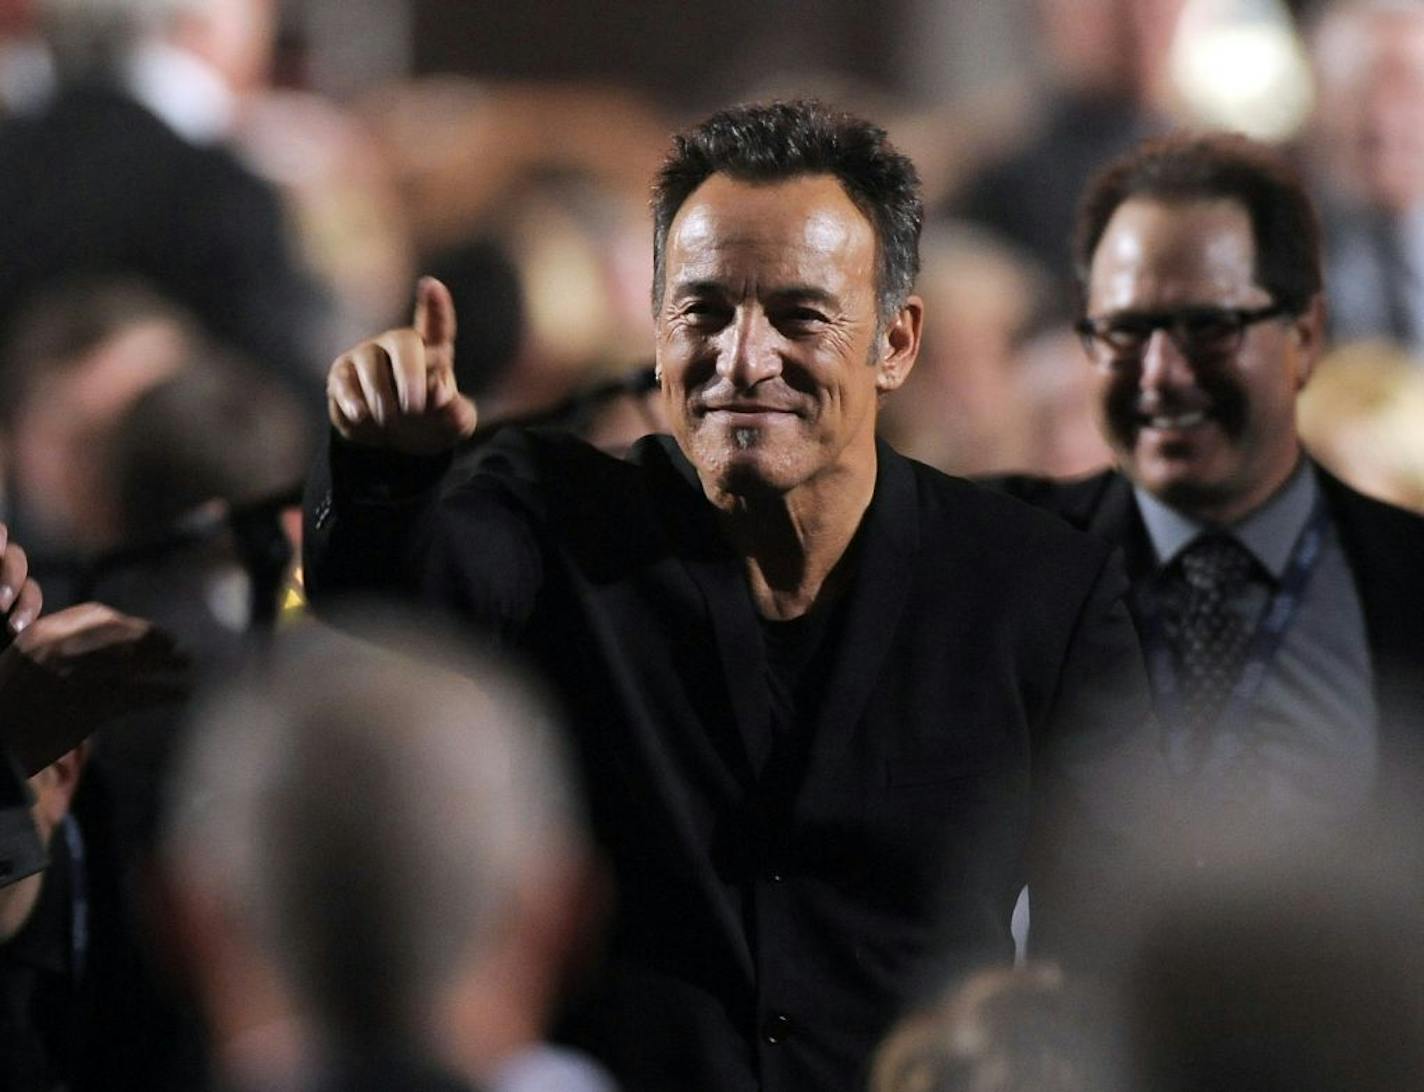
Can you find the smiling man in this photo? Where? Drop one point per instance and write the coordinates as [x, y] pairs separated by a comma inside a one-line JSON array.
[[1282, 612], [826, 700]]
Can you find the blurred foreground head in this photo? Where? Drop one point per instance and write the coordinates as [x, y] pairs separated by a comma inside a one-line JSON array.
[[1025, 1029], [1286, 977], [392, 836]]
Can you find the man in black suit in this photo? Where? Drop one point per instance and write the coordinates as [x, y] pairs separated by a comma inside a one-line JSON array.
[[1281, 611], [820, 693]]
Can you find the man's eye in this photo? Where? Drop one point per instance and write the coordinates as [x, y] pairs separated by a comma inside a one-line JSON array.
[[705, 313], [1208, 328], [1126, 333], [799, 317]]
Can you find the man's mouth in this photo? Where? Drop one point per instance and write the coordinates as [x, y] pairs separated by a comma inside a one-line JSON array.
[[1165, 422], [746, 409]]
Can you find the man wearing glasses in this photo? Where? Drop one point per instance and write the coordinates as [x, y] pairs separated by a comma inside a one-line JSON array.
[[1281, 612]]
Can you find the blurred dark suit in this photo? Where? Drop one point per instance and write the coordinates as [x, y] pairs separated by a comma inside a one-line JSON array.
[[95, 184]]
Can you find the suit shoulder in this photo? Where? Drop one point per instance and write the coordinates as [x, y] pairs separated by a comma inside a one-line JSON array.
[[1072, 499], [1350, 505], [1022, 516]]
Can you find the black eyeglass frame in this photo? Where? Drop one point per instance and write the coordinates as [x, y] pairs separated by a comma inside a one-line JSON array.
[[1094, 332]]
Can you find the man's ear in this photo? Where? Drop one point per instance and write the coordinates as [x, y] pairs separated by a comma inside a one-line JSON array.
[[1308, 329], [54, 788], [899, 345]]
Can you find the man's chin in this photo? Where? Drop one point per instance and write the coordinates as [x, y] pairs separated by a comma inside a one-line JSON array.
[[1186, 485], [751, 477]]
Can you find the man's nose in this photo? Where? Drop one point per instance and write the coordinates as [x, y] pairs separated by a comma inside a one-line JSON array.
[[751, 350], [1163, 364]]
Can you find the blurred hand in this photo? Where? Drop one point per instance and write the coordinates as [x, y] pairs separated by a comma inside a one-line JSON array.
[[398, 390], [20, 597], [69, 672]]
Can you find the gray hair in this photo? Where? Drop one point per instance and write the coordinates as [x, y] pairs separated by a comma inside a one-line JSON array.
[[371, 817], [91, 37]]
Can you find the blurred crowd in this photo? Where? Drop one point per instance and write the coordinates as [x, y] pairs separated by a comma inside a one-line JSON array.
[[190, 233]]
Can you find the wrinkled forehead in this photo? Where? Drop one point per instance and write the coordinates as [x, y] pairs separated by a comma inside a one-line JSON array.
[[781, 228]]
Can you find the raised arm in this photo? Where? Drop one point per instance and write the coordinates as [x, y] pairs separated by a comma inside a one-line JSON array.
[[397, 391], [375, 524]]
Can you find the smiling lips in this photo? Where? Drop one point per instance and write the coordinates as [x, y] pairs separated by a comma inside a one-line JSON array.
[[745, 409], [1173, 421]]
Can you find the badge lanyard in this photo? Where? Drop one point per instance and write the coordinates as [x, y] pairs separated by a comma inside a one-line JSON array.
[[1265, 641], [79, 897]]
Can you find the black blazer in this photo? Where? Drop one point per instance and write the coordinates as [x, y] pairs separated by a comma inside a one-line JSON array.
[[1384, 546], [773, 916]]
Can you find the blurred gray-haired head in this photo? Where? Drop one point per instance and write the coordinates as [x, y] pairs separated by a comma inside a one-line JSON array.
[[371, 817], [92, 37]]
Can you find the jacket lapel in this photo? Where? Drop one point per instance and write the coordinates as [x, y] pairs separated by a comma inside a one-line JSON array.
[[1110, 512], [1382, 546], [887, 545], [720, 577]]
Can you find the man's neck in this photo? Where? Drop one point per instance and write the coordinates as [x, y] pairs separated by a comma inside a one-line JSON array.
[[794, 545]]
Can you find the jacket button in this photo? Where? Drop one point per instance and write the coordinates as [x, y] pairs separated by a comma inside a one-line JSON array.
[[777, 1028]]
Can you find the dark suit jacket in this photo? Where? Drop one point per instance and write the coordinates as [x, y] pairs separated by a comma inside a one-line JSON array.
[[773, 917], [97, 185], [1384, 546]]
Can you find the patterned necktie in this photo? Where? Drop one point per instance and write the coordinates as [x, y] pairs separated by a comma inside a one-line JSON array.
[[1208, 638]]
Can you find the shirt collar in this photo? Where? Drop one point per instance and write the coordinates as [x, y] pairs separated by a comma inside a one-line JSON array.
[[1270, 532]]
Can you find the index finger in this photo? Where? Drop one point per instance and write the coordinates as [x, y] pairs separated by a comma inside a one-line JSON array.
[[14, 571], [435, 321]]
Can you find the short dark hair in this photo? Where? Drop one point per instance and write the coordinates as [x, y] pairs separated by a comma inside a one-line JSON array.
[[1208, 167], [771, 142]]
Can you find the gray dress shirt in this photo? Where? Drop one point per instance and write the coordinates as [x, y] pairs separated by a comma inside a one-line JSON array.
[[1307, 750]]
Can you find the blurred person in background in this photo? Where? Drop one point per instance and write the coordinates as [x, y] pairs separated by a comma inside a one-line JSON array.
[[1282, 612], [379, 871], [990, 393], [1369, 147], [78, 1007], [202, 472], [1363, 417], [1025, 1029], [149, 466], [961, 409], [1056, 405], [579, 250], [759, 603], [217, 450], [26, 67], [1106, 62], [124, 169], [96, 461], [78, 358]]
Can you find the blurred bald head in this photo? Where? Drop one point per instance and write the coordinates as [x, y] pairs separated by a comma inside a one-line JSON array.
[[375, 820]]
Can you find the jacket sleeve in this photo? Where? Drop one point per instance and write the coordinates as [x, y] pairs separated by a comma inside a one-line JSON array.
[[426, 532]]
